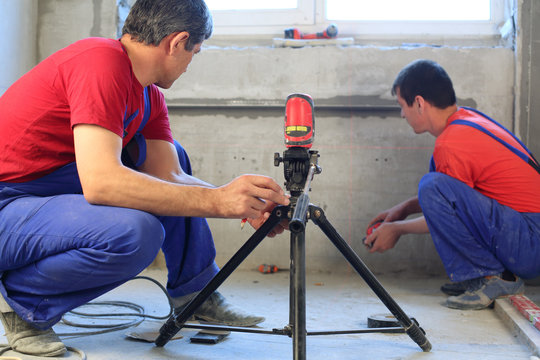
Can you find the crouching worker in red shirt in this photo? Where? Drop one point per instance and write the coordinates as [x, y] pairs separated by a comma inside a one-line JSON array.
[[480, 201], [92, 183]]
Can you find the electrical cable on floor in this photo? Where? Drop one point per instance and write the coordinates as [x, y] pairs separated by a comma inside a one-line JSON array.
[[139, 313]]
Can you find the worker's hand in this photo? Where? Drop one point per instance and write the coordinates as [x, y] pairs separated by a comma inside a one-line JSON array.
[[380, 241], [278, 229], [384, 237], [398, 212], [249, 196], [393, 214]]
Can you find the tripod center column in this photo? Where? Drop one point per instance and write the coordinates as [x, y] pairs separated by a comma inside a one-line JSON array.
[[298, 294]]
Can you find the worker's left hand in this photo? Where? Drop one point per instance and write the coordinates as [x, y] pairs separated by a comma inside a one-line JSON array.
[[257, 223], [384, 238]]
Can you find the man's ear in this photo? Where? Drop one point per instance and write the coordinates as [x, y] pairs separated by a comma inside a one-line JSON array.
[[419, 103], [178, 41]]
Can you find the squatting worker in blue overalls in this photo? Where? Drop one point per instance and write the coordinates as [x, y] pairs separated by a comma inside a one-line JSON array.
[[92, 183], [480, 201]]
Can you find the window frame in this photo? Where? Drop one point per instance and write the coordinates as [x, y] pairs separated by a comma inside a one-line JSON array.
[[311, 17]]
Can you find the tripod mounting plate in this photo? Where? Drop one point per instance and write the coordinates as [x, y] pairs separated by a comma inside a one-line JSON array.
[[296, 164]]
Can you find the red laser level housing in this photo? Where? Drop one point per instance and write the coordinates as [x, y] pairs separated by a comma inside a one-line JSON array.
[[299, 121]]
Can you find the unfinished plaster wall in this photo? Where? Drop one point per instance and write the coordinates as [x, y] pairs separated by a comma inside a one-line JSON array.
[[62, 22], [227, 111], [528, 77], [18, 42]]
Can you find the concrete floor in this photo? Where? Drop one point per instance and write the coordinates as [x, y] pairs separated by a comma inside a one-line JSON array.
[[334, 301]]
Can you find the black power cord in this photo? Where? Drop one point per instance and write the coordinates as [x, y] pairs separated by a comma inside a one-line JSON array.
[[139, 313]]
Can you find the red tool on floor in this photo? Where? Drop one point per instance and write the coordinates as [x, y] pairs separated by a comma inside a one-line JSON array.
[[268, 269]]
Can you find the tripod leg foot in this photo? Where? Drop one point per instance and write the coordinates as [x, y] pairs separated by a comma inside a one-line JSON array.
[[417, 335]]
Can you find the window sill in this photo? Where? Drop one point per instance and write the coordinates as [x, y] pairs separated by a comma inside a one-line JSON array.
[[224, 41]]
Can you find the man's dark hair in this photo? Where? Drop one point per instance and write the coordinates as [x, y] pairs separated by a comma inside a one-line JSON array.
[[427, 79], [150, 21]]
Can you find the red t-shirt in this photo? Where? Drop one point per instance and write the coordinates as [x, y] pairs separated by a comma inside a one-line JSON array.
[[88, 82], [473, 157]]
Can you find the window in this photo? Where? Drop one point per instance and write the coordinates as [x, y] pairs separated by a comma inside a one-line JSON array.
[[251, 5], [410, 10], [234, 14], [359, 17]]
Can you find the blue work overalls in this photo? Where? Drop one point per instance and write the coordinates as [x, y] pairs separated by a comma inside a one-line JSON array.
[[474, 235], [58, 252]]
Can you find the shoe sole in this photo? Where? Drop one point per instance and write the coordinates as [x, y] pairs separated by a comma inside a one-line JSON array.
[[452, 293], [216, 322], [491, 305]]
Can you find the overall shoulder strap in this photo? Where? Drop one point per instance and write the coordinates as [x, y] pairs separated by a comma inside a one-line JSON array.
[[138, 137], [527, 157], [147, 108]]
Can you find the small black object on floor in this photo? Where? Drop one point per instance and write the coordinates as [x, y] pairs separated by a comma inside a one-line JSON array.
[[203, 337]]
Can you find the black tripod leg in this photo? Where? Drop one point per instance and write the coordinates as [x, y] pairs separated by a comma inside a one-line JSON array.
[[298, 295], [176, 321], [412, 329]]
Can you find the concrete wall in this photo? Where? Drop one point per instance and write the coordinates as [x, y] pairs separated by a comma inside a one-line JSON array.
[[62, 22], [370, 157], [528, 80], [228, 113], [18, 41]]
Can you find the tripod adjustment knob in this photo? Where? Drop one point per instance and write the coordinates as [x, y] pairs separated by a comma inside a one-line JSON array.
[[277, 159]]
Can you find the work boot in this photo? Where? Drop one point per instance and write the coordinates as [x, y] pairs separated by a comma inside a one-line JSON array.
[[455, 288], [217, 310], [481, 292], [26, 339]]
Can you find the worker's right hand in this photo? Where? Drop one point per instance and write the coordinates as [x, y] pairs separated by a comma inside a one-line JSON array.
[[247, 197], [278, 229]]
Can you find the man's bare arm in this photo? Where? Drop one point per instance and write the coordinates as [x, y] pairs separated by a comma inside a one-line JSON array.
[[106, 181], [387, 235], [162, 162]]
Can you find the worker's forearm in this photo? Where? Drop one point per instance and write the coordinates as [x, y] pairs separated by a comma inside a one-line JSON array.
[[411, 206], [185, 179], [413, 226], [161, 187], [132, 189]]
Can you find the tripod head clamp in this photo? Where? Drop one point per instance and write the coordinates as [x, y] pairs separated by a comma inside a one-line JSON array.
[[297, 162]]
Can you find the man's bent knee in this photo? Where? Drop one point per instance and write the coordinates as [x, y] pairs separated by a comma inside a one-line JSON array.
[[135, 239], [429, 188]]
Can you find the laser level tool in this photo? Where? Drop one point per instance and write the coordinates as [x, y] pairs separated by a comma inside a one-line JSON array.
[[299, 121], [298, 160]]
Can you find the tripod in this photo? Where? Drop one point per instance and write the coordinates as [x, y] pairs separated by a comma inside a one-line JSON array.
[[300, 167]]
